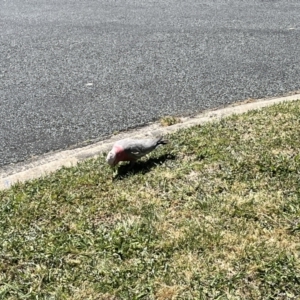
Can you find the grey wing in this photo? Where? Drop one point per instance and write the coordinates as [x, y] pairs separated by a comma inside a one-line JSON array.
[[138, 148]]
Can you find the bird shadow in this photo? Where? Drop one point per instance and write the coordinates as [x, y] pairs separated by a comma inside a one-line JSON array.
[[141, 167]]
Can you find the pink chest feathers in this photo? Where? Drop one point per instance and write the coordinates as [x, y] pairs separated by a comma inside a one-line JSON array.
[[121, 154]]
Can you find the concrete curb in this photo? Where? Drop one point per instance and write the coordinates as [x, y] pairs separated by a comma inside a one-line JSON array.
[[53, 161]]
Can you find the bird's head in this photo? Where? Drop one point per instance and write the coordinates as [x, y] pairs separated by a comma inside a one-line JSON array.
[[111, 158]]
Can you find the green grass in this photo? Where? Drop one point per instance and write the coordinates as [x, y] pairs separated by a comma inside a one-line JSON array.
[[213, 215]]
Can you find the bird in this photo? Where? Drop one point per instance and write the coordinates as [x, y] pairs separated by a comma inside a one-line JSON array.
[[132, 149]]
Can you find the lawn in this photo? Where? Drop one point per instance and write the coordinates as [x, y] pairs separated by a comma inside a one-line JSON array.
[[215, 214]]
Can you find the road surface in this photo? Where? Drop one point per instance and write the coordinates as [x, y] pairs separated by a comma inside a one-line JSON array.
[[74, 71]]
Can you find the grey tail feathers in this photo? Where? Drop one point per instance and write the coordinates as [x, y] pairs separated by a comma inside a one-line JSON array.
[[161, 141]]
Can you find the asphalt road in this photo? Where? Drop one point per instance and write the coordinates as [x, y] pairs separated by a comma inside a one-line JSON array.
[[72, 71]]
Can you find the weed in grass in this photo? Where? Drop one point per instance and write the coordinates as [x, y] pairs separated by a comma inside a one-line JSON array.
[[169, 120]]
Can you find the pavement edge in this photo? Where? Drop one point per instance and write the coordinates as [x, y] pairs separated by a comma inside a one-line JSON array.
[[49, 163]]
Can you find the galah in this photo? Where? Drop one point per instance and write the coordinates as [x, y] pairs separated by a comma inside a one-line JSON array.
[[132, 149]]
